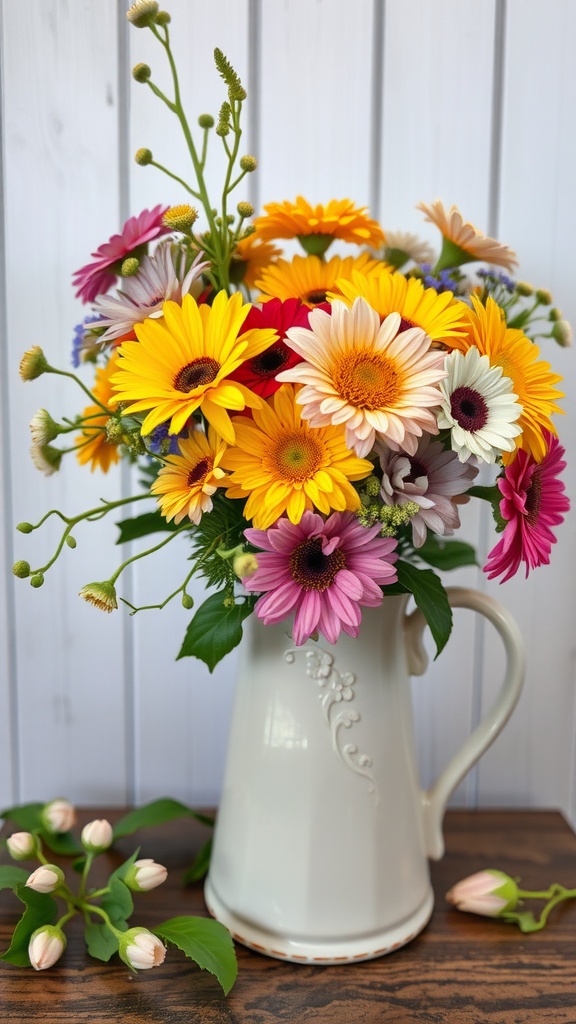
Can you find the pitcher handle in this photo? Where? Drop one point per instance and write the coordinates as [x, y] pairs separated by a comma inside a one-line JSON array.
[[434, 800]]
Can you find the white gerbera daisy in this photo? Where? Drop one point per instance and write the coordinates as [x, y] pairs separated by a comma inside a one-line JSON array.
[[160, 277], [378, 381], [478, 407]]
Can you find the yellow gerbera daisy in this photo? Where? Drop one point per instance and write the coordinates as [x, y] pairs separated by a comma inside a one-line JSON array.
[[284, 466], [182, 363], [317, 226], [532, 378], [93, 443], [382, 383], [463, 243], [250, 257], [186, 483], [440, 315], [309, 278]]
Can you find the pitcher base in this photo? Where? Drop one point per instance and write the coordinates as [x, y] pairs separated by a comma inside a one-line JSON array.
[[322, 952]]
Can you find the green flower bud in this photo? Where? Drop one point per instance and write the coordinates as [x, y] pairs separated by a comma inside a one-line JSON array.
[[555, 314], [21, 569], [187, 601], [130, 266], [163, 18], [143, 156], [143, 13], [562, 333], [223, 126], [37, 580], [25, 527], [544, 297], [248, 163], [181, 217], [71, 541], [245, 210], [206, 121], [525, 289], [141, 72], [33, 363], [101, 595]]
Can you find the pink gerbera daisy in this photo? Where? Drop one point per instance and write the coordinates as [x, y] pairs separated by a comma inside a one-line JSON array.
[[323, 570], [533, 502], [259, 373], [98, 277]]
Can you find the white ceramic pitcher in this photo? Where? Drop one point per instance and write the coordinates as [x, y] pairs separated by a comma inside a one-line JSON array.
[[323, 833]]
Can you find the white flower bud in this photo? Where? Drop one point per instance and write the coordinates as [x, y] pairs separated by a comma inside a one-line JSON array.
[[21, 845], [144, 875], [97, 835], [58, 816], [489, 893], [46, 878], [140, 949], [46, 946]]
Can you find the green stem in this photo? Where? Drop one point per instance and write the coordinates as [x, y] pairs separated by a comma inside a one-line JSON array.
[[144, 554], [88, 908], [87, 865], [160, 167], [72, 376]]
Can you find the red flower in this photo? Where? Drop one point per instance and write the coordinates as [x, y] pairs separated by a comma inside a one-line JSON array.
[[259, 374]]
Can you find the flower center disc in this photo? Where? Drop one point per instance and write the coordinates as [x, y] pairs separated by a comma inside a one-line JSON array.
[[311, 569], [533, 499], [268, 363], [196, 374], [316, 297], [297, 456], [469, 409], [199, 472], [367, 380]]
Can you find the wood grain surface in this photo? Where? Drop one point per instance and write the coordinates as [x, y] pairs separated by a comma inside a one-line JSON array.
[[462, 969]]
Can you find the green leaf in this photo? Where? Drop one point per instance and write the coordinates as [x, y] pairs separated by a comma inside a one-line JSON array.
[[494, 496], [199, 868], [118, 903], [26, 816], [215, 629], [157, 812], [64, 843], [430, 598], [141, 526], [446, 554], [205, 941], [40, 909], [101, 942], [11, 876]]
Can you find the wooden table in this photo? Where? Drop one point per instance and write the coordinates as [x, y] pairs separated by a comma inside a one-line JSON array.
[[461, 970]]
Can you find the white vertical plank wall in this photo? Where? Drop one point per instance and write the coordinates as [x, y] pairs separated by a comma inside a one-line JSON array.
[[386, 101]]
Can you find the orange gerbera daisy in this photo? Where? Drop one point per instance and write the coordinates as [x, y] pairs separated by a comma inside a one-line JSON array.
[[93, 444], [186, 483], [462, 242], [309, 278], [532, 378], [440, 315], [250, 257], [317, 226]]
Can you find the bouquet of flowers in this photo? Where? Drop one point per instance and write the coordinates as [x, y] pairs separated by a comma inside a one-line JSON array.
[[310, 423]]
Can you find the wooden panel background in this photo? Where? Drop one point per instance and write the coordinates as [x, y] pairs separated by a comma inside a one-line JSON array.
[[386, 101]]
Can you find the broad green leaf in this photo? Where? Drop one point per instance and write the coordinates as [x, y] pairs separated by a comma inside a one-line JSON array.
[[101, 942], [40, 909], [11, 876], [157, 812], [141, 526], [215, 629], [26, 816], [199, 868], [205, 941], [430, 598], [64, 843], [493, 495], [117, 903], [446, 554]]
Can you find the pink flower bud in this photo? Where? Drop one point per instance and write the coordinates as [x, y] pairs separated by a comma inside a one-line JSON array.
[[21, 845], [58, 816], [140, 949], [97, 835], [46, 878], [490, 893], [144, 875], [46, 946]]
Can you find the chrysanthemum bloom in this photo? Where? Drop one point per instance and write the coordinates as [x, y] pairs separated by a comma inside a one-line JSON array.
[[402, 246], [309, 278], [43, 427], [479, 407], [532, 378], [46, 458], [183, 362], [462, 242], [431, 477], [93, 445], [99, 276], [533, 502], [259, 373], [441, 316], [375, 379], [101, 595], [186, 483], [250, 257], [324, 571], [33, 363], [317, 226], [284, 466], [160, 277]]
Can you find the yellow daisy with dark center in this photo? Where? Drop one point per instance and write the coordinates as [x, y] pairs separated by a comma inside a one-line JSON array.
[[186, 483], [283, 466], [309, 278], [182, 362]]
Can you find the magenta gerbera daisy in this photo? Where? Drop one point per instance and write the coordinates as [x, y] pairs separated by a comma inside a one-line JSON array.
[[323, 570], [533, 502], [259, 373], [98, 277]]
